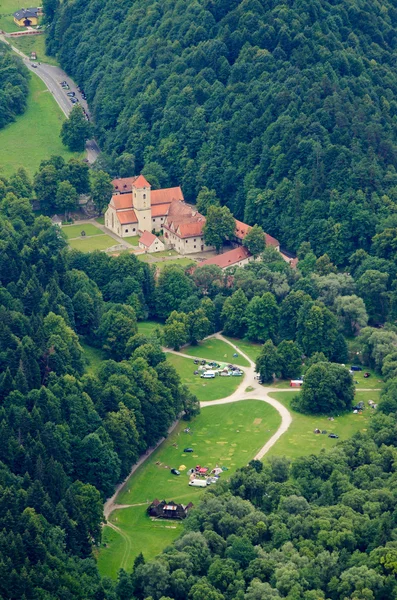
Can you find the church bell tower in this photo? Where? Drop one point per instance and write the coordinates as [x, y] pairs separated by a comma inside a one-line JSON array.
[[142, 203]]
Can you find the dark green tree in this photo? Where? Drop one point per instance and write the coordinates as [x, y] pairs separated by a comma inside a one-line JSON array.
[[255, 241], [76, 130], [219, 227]]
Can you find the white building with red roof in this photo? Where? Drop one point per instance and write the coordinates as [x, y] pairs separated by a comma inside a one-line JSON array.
[[149, 242], [136, 209]]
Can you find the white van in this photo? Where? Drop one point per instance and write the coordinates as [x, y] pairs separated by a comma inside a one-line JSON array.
[[198, 482], [208, 375]]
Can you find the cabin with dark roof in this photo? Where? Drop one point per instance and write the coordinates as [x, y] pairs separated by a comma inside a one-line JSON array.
[[168, 510]]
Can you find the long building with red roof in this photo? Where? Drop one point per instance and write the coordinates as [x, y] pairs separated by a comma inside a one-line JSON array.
[[135, 208]]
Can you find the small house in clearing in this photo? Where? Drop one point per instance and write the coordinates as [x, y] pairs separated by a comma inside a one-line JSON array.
[[27, 17], [150, 242], [168, 510]]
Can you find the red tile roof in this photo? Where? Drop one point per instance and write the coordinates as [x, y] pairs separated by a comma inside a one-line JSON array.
[[160, 210], [228, 259], [126, 217], [141, 182], [186, 230], [242, 229], [121, 201], [124, 184], [147, 238], [166, 195]]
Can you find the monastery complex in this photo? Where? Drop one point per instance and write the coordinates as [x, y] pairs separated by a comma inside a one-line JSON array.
[[136, 209]]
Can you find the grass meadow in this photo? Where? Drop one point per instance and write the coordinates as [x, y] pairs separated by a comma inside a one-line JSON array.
[[214, 349], [225, 436], [74, 231], [34, 136], [98, 242]]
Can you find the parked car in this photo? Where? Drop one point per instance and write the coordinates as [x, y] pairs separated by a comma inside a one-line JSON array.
[[208, 375], [225, 374], [333, 436], [198, 483], [196, 361], [367, 374], [188, 450], [33, 65], [175, 472], [237, 373], [71, 94], [355, 368], [196, 372]]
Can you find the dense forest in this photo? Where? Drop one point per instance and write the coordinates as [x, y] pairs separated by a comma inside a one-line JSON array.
[[323, 527], [286, 109], [14, 87]]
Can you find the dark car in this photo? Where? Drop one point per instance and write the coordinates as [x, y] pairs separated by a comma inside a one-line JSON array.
[[175, 472], [188, 450], [366, 375], [355, 368], [196, 372], [333, 436], [196, 361], [71, 94]]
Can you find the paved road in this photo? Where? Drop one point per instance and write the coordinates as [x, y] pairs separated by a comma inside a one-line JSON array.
[[52, 76]]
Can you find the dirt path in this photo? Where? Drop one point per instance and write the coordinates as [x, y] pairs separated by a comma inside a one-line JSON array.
[[258, 392]]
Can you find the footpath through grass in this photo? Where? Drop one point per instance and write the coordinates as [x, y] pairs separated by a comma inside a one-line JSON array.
[[34, 43], [205, 389], [251, 349], [227, 436], [34, 136], [214, 349], [300, 440]]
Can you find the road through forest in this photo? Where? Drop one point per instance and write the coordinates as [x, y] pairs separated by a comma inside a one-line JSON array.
[[52, 76]]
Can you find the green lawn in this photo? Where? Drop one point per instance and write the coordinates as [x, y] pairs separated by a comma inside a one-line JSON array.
[[205, 389], [300, 440], [165, 253], [34, 136], [94, 356], [132, 239], [374, 381], [100, 220], [34, 43], [98, 242], [249, 348], [214, 349], [7, 7], [147, 327], [225, 436], [74, 231], [179, 262]]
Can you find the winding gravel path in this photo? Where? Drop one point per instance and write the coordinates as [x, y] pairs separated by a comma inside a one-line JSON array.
[[258, 392]]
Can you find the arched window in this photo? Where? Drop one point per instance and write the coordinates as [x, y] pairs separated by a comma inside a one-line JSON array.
[[144, 196]]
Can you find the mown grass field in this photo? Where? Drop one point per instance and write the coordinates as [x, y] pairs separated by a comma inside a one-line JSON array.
[[161, 264], [205, 389], [214, 349], [34, 136], [74, 231], [132, 239], [34, 43], [251, 349], [7, 7], [98, 242], [300, 440], [225, 436]]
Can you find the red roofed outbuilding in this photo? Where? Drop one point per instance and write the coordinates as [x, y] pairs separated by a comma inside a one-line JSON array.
[[150, 242], [237, 257]]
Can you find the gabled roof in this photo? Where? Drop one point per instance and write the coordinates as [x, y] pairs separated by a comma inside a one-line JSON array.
[[242, 229], [26, 13], [140, 182], [186, 230], [228, 259], [124, 184], [160, 210], [147, 239], [167, 195], [126, 217], [121, 201]]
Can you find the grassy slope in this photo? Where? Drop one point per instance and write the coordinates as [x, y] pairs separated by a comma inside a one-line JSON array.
[[147, 327], [7, 7], [34, 136], [300, 440], [215, 349], [94, 357], [205, 389], [225, 437], [73, 231], [249, 348], [34, 43], [98, 242]]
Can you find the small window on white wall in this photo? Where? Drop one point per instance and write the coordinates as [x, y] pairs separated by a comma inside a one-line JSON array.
[[144, 196]]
